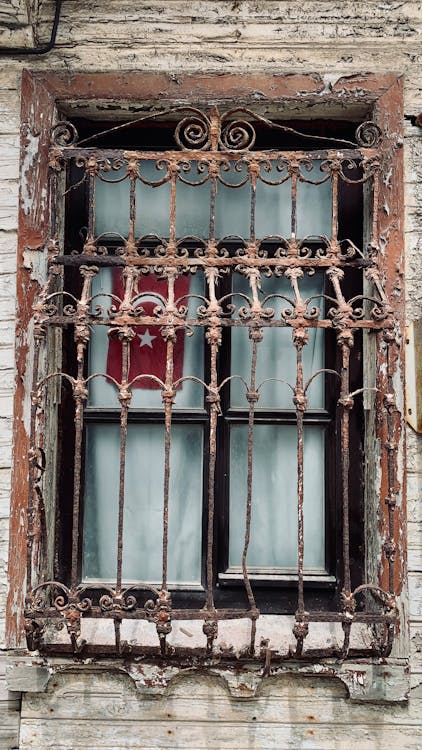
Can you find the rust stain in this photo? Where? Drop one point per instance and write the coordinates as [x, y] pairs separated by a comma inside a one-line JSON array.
[[40, 93], [36, 117]]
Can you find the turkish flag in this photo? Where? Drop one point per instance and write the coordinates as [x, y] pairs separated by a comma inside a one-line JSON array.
[[148, 349]]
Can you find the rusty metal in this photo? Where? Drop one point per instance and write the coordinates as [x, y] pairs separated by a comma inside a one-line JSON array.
[[212, 142]]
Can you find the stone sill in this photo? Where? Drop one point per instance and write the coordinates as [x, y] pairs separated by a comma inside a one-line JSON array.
[[371, 680]]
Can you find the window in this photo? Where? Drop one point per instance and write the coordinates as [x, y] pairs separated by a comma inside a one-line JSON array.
[[207, 379]]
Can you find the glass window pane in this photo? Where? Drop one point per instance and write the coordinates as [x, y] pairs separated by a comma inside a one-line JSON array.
[[276, 354], [273, 542], [102, 393], [314, 204], [233, 204], [112, 203], [143, 515], [192, 203], [232, 209]]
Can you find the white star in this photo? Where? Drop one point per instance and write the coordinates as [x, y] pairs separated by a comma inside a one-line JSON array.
[[146, 339]]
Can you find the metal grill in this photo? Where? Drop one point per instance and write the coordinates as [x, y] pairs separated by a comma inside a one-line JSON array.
[[208, 145]]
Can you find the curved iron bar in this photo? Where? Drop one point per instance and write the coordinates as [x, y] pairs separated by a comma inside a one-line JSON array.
[[200, 167], [233, 377], [275, 380], [284, 128], [320, 372]]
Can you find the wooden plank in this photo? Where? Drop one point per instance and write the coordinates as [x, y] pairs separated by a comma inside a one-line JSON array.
[[119, 734], [416, 649], [414, 536], [16, 37], [415, 596], [9, 157], [5, 439], [291, 54], [287, 699], [414, 493], [9, 204], [10, 112], [310, 19], [13, 13], [4, 493]]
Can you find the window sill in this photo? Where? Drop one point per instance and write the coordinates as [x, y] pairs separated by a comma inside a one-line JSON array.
[[367, 681]]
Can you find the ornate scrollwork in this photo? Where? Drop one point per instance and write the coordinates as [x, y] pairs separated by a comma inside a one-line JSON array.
[[194, 132], [64, 133], [238, 135], [368, 134]]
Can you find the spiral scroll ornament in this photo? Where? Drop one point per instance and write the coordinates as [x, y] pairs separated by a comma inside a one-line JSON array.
[[368, 134], [64, 134], [238, 135], [194, 132]]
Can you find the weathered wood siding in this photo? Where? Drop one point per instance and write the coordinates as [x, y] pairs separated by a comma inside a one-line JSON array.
[[334, 39]]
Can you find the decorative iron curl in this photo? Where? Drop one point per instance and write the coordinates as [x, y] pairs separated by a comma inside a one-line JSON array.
[[194, 132], [368, 134], [238, 135], [64, 133]]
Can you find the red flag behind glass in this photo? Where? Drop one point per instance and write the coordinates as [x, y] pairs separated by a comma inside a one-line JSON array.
[[148, 348]]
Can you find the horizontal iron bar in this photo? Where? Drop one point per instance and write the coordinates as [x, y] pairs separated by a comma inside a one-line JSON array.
[[190, 656], [222, 614], [62, 321], [70, 152], [105, 261]]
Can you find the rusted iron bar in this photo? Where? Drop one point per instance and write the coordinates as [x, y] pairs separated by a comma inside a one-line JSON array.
[[212, 146], [80, 394]]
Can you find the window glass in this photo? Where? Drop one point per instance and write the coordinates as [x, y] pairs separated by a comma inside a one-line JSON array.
[[276, 355], [232, 207], [143, 511], [273, 540], [103, 394]]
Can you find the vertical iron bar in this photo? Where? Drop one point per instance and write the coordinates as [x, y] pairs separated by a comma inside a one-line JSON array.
[[35, 403], [252, 396], [213, 399], [334, 210], [91, 208], [300, 339], [294, 170], [375, 209], [124, 398], [213, 336], [132, 169], [345, 340], [168, 396], [299, 400], [345, 460], [82, 335]]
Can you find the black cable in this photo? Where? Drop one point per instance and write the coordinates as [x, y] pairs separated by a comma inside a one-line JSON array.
[[9, 51]]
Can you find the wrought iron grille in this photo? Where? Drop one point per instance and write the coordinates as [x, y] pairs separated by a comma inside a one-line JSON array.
[[208, 146]]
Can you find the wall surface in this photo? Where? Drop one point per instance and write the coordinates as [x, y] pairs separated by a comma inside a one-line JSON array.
[[91, 709]]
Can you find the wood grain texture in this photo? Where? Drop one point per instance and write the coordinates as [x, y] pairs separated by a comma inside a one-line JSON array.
[[175, 37], [197, 712], [9, 712]]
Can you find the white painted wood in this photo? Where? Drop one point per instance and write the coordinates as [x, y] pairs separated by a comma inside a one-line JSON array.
[[13, 12], [9, 204], [9, 711], [219, 35], [9, 157], [197, 713]]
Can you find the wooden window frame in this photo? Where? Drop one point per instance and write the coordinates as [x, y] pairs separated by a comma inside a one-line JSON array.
[[43, 94]]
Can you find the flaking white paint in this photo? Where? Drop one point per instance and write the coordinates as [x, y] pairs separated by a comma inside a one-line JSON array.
[[199, 36]]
